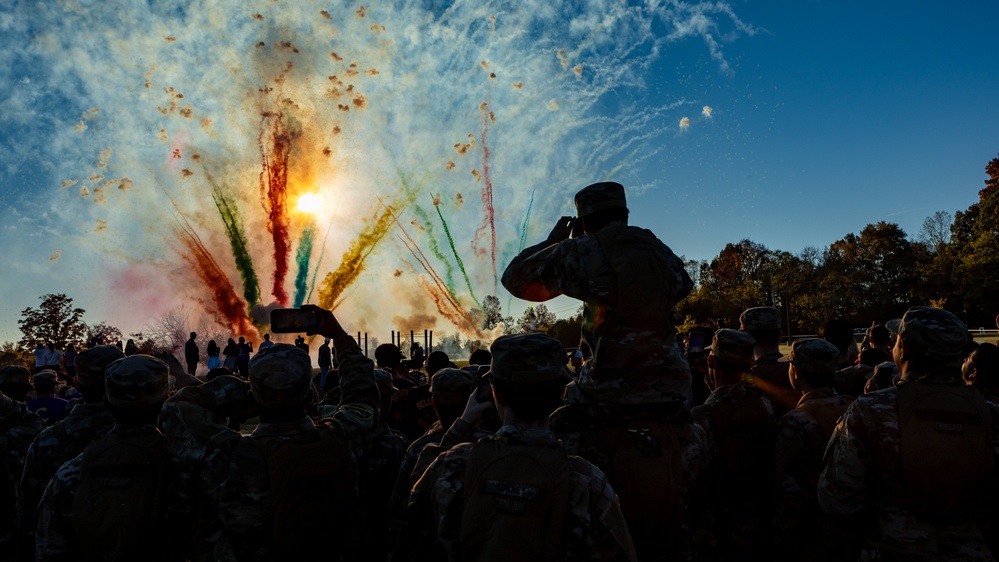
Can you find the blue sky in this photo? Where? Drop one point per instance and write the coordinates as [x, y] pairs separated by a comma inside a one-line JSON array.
[[824, 117]]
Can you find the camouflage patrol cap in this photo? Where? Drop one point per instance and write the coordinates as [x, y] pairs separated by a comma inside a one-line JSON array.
[[940, 334], [14, 374], [599, 197], [280, 376], [526, 358], [733, 346], [91, 363], [137, 381], [759, 318], [451, 387], [814, 356], [384, 382], [46, 376]]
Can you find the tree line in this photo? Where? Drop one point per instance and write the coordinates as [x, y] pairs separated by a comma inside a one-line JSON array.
[[952, 263]]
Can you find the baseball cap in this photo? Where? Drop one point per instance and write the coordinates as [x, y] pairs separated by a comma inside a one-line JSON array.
[[527, 358], [137, 381]]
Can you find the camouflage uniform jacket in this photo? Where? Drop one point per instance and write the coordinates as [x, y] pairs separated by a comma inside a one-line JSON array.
[[56, 538], [801, 442], [862, 476], [770, 376], [59, 443], [18, 427], [412, 469], [594, 526], [242, 494], [733, 507], [576, 426], [629, 282]]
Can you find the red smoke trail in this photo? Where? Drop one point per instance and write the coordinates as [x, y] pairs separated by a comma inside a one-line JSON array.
[[489, 221], [274, 194], [232, 308]]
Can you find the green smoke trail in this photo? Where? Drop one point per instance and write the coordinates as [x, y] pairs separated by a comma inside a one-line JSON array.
[[435, 248], [527, 221], [319, 261], [237, 239], [302, 259], [457, 258]]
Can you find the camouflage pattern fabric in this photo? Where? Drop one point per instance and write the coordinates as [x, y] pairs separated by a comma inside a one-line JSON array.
[[377, 470], [801, 442], [85, 424], [733, 346], [55, 536], [769, 374], [631, 363], [238, 486], [412, 469], [575, 423], [137, 381], [862, 480], [594, 526], [18, 427], [733, 513]]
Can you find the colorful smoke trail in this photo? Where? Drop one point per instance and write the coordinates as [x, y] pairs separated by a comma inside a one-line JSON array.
[[275, 149], [302, 256], [457, 258], [282, 98], [237, 242]]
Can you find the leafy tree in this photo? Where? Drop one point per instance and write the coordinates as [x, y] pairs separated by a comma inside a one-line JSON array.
[[568, 330], [536, 319], [492, 312], [106, 333], [54, 321]]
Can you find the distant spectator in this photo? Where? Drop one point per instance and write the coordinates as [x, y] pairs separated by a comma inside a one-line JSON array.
[[265, 344], [230, 353], [131, 348], [191, 354], [243, 351], [69, 361], [53, 358], [39, 357], [325, 361], [436, 361], [213, 352], [46, 404]]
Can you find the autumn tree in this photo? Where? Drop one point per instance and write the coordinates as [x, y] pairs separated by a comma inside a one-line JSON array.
[[103, 332], [55, 321]]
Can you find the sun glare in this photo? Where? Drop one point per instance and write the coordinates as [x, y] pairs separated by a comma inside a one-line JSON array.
[[309, 203]]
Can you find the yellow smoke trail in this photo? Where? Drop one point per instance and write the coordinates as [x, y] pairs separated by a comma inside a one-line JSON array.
[[352, 262]]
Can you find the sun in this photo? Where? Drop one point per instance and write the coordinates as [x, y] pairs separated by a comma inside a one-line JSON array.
[[309, 203]]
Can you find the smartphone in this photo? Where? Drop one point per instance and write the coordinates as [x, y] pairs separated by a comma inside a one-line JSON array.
[[294, 320], [696, 343], [483, 390]]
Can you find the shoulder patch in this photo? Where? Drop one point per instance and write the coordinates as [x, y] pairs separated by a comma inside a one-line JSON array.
[[360, 412]]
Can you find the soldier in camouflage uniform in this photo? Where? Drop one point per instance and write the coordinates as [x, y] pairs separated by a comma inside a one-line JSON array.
[[238, 468], [914, 464], [449, 390], [801, 441], [629, 282], [576, 517], [87, 422], [18, 427], [136, 388], [769, 374], [734, 510]]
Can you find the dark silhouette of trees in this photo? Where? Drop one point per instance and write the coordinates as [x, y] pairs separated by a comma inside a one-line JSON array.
[[54, 321]]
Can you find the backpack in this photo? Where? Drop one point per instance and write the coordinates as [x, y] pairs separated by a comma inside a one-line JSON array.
[[645, 468], [746, 436], [515, 499], [946, 448], [311, 490], [118, 510]]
